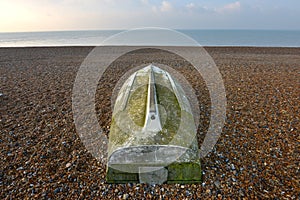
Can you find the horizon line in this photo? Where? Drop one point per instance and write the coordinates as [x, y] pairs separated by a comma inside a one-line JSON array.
[[178, 29]]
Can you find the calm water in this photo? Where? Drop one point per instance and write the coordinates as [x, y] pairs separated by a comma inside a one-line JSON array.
[[204, 37]]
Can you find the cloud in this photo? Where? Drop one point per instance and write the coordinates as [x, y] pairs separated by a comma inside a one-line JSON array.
[[31, 15], [196, 8], [146, 2], [190, 5], [233, 6], [166, 6], [229, 7]]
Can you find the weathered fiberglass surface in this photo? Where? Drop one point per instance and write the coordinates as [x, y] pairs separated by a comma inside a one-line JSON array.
[[128, 137]]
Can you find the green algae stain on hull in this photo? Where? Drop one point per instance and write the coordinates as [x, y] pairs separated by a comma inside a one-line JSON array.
[[137, 105], [132, 147], [183, 173]]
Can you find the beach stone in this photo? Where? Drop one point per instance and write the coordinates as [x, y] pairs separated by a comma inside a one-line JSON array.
[[57, 190], [32, 83], [125, 196], [68, 165], [217, 184]]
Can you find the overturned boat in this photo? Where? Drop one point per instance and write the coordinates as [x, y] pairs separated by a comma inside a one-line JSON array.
[[153, 135]]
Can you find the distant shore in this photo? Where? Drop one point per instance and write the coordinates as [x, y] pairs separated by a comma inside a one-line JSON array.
[[257, 154]]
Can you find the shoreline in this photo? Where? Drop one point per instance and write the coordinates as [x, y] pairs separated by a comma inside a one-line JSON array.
[[93, 46]]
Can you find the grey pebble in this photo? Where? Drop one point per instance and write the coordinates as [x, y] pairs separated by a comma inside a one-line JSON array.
[[217, 183], [232, 166]]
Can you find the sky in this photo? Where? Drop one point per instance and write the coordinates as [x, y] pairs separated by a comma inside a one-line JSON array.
[[55, 15]]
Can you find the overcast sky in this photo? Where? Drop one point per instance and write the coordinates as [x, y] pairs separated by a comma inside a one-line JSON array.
[[46, 15]]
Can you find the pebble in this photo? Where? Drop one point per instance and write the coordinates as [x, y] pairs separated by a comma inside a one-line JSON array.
[[217, 184], [68, 165], [232, 166], [20, 168], [38, 129], [57, 190], [125, 196]]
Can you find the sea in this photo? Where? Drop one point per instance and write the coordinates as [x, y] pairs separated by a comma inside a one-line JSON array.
[[260, 38]]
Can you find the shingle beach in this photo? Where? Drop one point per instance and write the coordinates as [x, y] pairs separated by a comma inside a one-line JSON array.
[[256, 156]]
